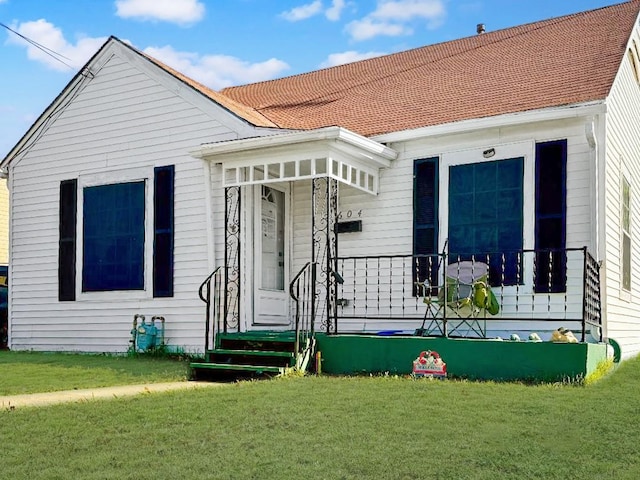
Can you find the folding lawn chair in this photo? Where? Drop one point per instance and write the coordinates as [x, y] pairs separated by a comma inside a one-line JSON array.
[[462, 303]]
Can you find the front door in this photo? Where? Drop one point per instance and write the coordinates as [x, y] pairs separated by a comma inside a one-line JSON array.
[[271, 258]]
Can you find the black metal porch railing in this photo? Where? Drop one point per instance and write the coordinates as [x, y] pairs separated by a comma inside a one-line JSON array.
[[525, 291], [592, 313], [303, 293], [214, 311]]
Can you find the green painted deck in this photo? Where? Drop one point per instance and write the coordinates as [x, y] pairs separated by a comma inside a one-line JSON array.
[[269, 352], [481, 359]]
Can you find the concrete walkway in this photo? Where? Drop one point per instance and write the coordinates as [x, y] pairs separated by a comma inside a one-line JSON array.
[[11, 402]]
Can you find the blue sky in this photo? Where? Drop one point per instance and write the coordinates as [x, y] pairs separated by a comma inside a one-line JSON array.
[[230, 42]]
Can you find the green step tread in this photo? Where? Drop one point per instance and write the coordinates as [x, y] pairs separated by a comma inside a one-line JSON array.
[[264, 336], [263, 353], [237, 367]]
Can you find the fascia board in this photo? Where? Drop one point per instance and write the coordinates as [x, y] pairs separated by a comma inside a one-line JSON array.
[[187, 92], [92, 67], [336, 137], [635, 33]]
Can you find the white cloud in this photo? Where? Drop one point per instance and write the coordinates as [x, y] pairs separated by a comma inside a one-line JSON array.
[[174, 11], [309, 10], [396, 17], [335, 10], [217, 71], [51, 37], [348, 57], [405, 10], [303, 12], [368, 28]]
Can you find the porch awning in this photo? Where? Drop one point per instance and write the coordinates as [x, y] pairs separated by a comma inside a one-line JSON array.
[[326, 152]]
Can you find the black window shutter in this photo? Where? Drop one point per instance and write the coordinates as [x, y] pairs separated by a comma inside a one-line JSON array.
[[67, 241], [163, 231], [425, 221], [551, 216]]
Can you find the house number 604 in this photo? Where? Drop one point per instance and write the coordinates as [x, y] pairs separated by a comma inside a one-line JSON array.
[[349, 214]]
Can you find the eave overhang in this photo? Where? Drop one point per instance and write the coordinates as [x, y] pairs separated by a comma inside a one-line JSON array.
[[325, 152], [575, 110]]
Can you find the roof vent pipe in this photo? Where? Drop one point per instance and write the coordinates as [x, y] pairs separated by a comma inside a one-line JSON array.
[[480, 28]]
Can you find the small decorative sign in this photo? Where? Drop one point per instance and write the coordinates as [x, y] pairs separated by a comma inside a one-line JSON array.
[[429, 364]]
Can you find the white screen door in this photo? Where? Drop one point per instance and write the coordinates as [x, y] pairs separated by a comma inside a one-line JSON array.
[[271, 303]]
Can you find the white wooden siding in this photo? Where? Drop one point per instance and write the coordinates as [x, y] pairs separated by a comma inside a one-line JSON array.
[[129, 115], [4, 222], [623, 156], [387, 219]]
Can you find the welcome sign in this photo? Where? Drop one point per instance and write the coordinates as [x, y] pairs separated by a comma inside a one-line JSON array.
[[429, 364]]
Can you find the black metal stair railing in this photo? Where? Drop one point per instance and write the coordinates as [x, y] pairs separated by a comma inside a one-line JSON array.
[[303, 293], [214, 311]]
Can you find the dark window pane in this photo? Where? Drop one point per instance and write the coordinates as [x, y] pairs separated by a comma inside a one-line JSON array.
[[485, 216], [464, 212], [113, 232], [484, 176], [485, 208]]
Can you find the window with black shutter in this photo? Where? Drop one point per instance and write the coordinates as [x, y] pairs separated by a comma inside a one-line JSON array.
[[67, 240], [425, 223], [551, 216], [163, 232]]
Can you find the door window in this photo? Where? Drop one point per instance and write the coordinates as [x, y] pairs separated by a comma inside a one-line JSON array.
[[272, 239]]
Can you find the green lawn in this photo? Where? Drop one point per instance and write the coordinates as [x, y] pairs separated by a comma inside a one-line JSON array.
[[337, 428], [29, 372]]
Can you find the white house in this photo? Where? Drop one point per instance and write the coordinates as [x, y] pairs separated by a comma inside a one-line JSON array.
[[517, 149]]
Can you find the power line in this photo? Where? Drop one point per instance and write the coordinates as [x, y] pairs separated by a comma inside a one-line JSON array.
[[52, 53]]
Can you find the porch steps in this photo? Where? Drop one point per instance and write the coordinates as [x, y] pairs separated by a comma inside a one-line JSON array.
[[247, 354]]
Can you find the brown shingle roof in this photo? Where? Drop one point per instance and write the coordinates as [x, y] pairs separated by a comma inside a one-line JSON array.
[[560, 61]]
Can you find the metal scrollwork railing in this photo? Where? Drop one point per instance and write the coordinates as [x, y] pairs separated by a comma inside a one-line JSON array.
[[215, 309], [302, 291], [232, 257], [324, 249]]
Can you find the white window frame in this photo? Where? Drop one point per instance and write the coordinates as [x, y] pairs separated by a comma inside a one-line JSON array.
[[625, 232], [524, 150], [145, 174]]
